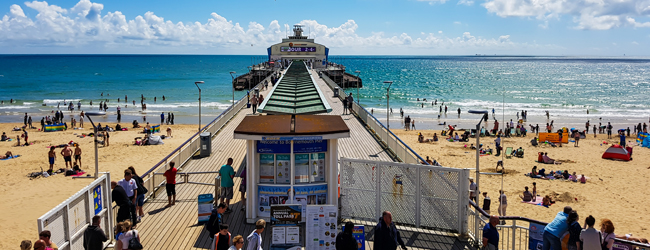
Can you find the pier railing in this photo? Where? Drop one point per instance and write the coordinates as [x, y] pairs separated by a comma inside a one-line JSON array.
[[394, 143], [520, 232], [153, 178]]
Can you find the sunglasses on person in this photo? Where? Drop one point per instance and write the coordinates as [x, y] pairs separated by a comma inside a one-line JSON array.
[[239, 242]]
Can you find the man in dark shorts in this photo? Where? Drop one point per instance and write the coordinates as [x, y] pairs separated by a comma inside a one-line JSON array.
[[170, 174], [227, 174], [67, 155], [77, 155]]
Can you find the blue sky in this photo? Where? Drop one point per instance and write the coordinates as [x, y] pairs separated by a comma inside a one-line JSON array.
[[364, 27]]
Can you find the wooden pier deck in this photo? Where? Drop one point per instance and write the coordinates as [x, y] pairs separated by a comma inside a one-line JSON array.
[[177, 227]]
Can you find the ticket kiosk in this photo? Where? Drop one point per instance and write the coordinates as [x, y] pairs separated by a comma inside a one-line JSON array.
[[290, 159]]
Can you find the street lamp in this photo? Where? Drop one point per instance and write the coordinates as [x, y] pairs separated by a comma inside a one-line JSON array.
[[233, 87], [478, 135], [358, 72], [387, 104], [197, 86], [88, 115], [251, 75]]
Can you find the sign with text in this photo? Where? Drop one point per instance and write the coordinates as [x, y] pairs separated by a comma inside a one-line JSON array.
[[553, 137], [97, 199], [359, 234], [270, 195], [536, 236], [321, 227], [284, 146], [205, 206], [286, 215]]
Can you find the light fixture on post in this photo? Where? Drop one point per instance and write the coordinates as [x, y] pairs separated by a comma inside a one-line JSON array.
[[197, 86], [233, 87], [484, 114], [388, 104], [358, 72]]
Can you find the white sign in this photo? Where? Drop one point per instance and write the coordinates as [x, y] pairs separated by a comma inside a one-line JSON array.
[[321, 227], [278, 235], [293, 235]]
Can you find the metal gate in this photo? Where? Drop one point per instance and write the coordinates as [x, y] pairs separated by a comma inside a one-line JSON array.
[[68, 221], [417, 195]]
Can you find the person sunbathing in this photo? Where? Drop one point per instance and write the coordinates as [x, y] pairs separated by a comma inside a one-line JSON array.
[[565, 174], [7, 155], [547, 201], [549, 160]]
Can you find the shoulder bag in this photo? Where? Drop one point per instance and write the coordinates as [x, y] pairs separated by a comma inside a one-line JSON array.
[[134, 243]]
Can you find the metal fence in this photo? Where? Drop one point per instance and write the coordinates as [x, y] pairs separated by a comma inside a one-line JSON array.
[[394, 143], [515, 234], [69, 220], [417, 195]]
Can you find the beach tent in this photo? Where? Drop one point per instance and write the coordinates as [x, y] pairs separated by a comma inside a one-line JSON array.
[[54, 127], [155, 140], [643, 139], [155, 129], [616, 152]]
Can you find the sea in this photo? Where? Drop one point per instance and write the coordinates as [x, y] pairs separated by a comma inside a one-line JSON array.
[[572, 89]]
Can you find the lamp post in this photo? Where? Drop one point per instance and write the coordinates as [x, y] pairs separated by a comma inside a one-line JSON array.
[[387, 104], [233, 87], [484, 114], [251, 75], [88, 115], [197, 86], [358, 72]]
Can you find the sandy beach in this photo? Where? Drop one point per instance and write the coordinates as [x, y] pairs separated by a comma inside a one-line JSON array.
[[615, 190], [24, 200]]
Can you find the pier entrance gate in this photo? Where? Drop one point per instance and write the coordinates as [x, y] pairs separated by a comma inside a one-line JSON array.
[[417, 195]]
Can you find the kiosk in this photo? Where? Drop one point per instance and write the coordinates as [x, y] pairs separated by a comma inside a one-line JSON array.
[[290, 159]]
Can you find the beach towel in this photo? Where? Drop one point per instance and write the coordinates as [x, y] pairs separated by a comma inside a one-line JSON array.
[[538, 201], [78, 174], [13, 157]]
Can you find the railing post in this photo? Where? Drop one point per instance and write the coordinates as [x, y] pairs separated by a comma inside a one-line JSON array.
[[514, 233], [217, 183], [378, 191], [418, 197]]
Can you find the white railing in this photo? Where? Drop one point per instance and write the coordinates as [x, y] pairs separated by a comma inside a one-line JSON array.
[[68, 221], [421, 196], [391, 141]]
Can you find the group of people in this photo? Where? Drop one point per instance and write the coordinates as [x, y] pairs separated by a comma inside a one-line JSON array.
[[559, 174], [44, 242], [67, 154]]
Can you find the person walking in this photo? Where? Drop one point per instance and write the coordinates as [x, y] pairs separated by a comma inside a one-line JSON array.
[[227, 174], [497, 141], [255, 238], [345, 240], [125, 238], [574, 231], [141, 192], [345, 106], [94, 236], [386, 235], [216, 217], [254, 103], [131, 188], [491, 234], [350, 102], [106, 137], [589, 236], [242, 189], [221, 241], [473, 189], [237, 243], [556, 229], [170, 187], [503, 203]]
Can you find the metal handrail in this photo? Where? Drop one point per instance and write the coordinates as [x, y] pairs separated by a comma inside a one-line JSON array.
[[404, 146]]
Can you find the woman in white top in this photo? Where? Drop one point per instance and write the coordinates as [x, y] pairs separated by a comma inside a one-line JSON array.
[[123, 241], [503, 203], [607, 233]]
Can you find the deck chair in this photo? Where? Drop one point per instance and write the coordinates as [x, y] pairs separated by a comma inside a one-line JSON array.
[[518, 131], [512, 131], [509, 152], [482, 131], [472, 133]]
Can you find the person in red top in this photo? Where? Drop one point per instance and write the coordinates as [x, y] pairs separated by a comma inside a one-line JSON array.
[[170, 174]]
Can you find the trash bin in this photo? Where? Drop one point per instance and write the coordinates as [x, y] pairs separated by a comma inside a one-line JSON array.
[[336, 91], [206, 144]]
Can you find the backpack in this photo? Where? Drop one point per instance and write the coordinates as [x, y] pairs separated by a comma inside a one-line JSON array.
[[134, 243]]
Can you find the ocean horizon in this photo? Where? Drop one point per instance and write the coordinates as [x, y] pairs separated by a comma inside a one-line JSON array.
[[611, 88]]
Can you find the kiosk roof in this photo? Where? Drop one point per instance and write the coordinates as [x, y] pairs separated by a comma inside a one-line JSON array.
[[282, 125]]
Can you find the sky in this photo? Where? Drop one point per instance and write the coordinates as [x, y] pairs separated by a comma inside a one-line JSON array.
[[352, 27]]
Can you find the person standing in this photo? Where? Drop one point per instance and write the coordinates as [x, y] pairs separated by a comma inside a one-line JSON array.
[[51, 156], [576, 137], [94, 236], [486, 202], [503, 203], [25, 244], [106, 138], [458, 112], [141, 192], [473, 189], [560, 134], [25, 120], [237, 243], [491, 234], [227, 174], [40, 245], [556, 229], [621, 135], [29, 122], [221, 241], [130, 233], [386, 235], [255, 238], [66, 152], [26, 136], [345, 105], [254, 103], [214, 222], [131, 189], [587, 128], [497, 141], [46, 236], [574, 231], [345, 240], [607, 234], [589, 236], [81, 120], [242, 189], [77, 155], [350, 102], [170, 176], [172, 119], [162, 117]]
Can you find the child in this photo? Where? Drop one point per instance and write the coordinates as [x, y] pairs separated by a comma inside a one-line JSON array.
[[574, 177], [221, 240], [534, 190], [583, 179], [119, 230]]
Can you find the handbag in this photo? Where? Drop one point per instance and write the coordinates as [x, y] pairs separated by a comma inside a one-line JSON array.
[[134, 243]]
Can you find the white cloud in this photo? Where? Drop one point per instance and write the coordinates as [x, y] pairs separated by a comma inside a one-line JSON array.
[[432, 2], [587, 14], [84, 29], [458, 23], [466, 2], [635, 43]]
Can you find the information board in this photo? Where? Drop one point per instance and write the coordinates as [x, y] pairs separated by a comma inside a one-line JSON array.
[[321, 227], [284, 147], [286, 215], [301, 162], [267, 168], [317, 167], [535, 238], [283, 169], [97, 199], [269, 195], [205, 206], [359, 234]]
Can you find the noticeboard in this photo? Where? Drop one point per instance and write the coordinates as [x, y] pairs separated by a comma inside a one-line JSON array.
[[97, 199], [205, 206], [321, 227], [286, 215]]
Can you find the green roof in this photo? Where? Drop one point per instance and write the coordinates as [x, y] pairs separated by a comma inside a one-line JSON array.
[[296, 92]]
